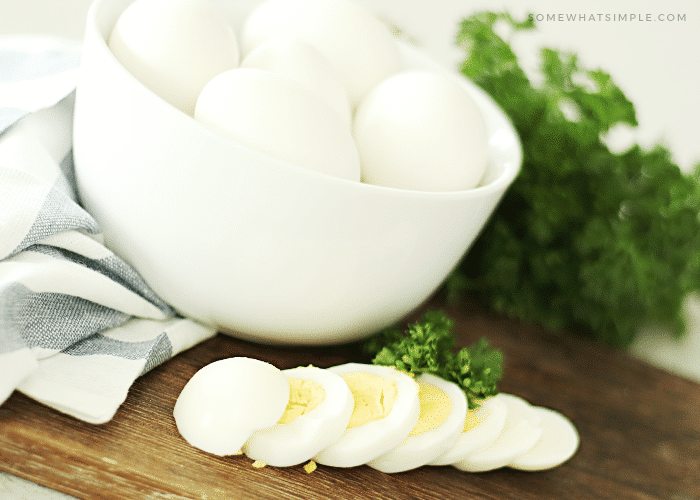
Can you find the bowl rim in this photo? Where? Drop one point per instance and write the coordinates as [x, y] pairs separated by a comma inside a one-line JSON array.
[[484, 102]]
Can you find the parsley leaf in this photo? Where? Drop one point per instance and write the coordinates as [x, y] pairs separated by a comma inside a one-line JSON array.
[[585, 240], [427, 346]]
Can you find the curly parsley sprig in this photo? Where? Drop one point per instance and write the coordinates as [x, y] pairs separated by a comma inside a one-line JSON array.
[[428, 346], [585, 240]]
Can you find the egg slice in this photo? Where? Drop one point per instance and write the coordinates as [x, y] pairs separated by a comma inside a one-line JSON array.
[[481, 428], [303, 63], [386, 409], [520, 433], [174, 47], [558, 443], [227, 400], [443, 409], [318, 412]]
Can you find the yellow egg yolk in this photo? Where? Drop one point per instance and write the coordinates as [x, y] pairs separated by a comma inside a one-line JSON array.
[[304, 396], [374, 397], [435, 407], [472, 420]]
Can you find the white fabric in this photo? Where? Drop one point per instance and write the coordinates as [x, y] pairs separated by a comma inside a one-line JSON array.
[[77, 324]]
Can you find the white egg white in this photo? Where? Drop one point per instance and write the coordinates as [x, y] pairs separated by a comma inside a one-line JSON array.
[[227, 400], [174, 47], [284, 445], [520, 433], [349, 36], [358, 445], [422, 131], [417, 450], [300, 61], [279, 116], [491, 417], [558, 443]]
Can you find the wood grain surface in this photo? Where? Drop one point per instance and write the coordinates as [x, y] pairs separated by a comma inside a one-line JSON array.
[[639, 428]]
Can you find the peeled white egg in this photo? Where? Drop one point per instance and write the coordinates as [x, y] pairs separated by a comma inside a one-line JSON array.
[[421, 130], [174, 47], [443, 408], [386, 409], [227, 400], [481, 428], [302, 62], [319, 410], [280, 117], [558, 443], [521, 431], [360, 46]]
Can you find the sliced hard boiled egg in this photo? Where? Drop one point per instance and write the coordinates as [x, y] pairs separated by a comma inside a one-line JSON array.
[[227, 400], [482, 426], [521, 431], [318, 412], [386, 409], [558, 443], [443, 409]]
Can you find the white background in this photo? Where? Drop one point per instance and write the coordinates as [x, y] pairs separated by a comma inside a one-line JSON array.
[[656, 63]]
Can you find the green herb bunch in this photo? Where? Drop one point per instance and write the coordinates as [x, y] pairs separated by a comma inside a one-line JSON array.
[[428, 346], [584, 240]]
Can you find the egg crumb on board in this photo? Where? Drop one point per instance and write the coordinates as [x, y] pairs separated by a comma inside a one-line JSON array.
[[360, 414]]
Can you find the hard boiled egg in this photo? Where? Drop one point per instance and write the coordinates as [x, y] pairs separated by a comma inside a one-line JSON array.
[[174, 47], [481, 428], [421, 130], [443, 408], [280, 117], [227, 400], [302, 62], [318, 412], [520, 433], [558, 443], [386, 409], [361, 47]]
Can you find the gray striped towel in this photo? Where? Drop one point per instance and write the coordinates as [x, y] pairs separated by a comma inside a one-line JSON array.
[[77, 324]]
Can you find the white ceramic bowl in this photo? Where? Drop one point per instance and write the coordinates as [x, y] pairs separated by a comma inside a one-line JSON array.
[[258, 247]]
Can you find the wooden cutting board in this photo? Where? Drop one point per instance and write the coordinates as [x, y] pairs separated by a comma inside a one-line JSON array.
[[639, 428]]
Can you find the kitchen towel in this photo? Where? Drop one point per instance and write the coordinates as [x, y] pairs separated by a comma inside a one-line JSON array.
[[77, 324]]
